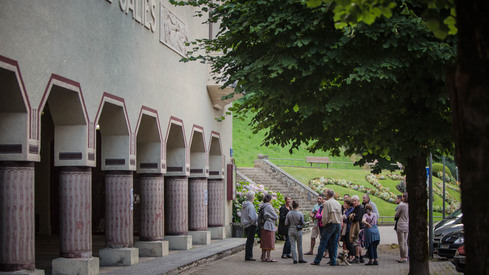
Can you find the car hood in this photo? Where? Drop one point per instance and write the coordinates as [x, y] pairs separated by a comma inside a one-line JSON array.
[[448, 229]]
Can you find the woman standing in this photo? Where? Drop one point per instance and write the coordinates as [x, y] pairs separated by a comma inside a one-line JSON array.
[[372, 235], [283, 228], [402, 214], [267, 243], [295, 221]]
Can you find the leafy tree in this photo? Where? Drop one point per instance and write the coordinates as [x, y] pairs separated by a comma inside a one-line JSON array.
[[372, 89], [468, 83]]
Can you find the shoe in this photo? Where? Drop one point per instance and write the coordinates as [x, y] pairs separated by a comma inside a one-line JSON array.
[[295, 262], [250, 259], [369, 263], [376, 263], [314, 263], [289, 256], [362, 260], [333, 264], [330, 262], [309, 253], [354, 261], [284, 256], [402, 261], [302, 261]]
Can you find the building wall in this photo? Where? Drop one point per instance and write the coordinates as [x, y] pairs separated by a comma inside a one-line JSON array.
[[106, 49]]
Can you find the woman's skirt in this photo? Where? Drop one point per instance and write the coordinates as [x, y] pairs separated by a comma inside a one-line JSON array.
[[267, 241], [371, 235]]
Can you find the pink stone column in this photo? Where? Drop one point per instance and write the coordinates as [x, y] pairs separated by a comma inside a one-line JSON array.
[[152, 207], [76, 212], [197, 204], [216, 202], [119, 209], [176, 205], [17, 216]]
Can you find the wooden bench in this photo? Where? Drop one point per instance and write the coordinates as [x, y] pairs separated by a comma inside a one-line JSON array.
[[318, 160]]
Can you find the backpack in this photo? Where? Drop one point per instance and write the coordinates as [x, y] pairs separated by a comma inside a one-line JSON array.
[[261, 217]]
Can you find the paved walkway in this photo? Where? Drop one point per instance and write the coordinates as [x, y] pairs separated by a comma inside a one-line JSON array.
[[388, 254]]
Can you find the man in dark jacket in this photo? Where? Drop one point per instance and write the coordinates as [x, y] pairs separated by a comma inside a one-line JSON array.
[[249, 221], [284, 229]]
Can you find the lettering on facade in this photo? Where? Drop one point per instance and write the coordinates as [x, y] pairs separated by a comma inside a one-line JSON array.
[[143, 11], [173, 31]]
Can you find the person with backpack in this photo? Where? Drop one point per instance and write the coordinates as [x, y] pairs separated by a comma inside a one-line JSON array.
[[249, 220], [295, 221], [267, 218]]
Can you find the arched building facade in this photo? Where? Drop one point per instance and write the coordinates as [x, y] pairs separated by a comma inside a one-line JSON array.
[[103, 131]]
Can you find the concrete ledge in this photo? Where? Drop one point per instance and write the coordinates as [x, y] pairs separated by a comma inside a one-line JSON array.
[[181, 242], [217, 233], [119, 256], [23, 272], [76, 266], [152, 248], [200, 237]]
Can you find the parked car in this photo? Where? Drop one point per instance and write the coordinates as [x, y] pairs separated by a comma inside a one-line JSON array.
[[450, 243], [459, 259], [455, 217], [441, 231]]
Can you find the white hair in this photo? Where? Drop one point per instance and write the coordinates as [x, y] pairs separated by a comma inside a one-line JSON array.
[[250, 195], [355, 197]]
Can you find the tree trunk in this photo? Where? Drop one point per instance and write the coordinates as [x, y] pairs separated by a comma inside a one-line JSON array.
[[418, 223], [470, 104]]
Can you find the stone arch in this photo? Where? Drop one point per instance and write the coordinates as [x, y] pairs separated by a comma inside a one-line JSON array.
[[176, 151], [115, 130], [149, 149], [64, 99], [15, 114], [198, 156], [216, 164]]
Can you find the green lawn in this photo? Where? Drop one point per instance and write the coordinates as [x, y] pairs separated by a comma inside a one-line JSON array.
[[247, 145]]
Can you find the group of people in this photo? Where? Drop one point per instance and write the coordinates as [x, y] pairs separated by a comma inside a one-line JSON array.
[[354, 223]]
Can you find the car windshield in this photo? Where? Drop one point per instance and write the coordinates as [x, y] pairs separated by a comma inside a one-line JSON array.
[[455, 214]]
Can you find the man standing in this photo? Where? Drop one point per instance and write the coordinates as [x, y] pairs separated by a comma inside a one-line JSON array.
[[315, 227], [331, 221], [249, 221], [356, 219], [366, 200]]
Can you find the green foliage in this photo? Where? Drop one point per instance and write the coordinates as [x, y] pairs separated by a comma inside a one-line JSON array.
[[438, 167]]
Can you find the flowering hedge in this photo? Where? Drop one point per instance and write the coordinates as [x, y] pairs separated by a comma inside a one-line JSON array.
[[260, 191], [452, 182], [319, 185]]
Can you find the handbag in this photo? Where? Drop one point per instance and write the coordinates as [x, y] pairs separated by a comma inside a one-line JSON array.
[[298, 227]]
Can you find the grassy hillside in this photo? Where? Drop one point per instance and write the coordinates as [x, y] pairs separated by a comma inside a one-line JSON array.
[[246, 146]]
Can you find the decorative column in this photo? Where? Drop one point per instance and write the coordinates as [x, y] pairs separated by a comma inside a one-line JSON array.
[[17, 216], [151, 242], [198, 211], [216, 208], [119, 220], [176, 212], [75, 222]]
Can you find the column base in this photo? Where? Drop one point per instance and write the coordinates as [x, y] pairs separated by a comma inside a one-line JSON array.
[[76, 266], [181, 242], [200, 237], [23, 272], [217, 233], [152, 248], [119, 256]]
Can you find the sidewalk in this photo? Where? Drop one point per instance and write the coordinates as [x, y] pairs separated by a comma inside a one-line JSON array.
[[388, 254]]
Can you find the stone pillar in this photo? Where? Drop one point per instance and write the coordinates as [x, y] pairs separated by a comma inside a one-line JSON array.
[[216, 208], [198, 211], [119, 220], [17, 216], [75, 222], [176, 212], [151, 242]]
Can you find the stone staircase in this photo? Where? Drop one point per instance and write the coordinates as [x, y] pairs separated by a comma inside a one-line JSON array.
[[277, 180]]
